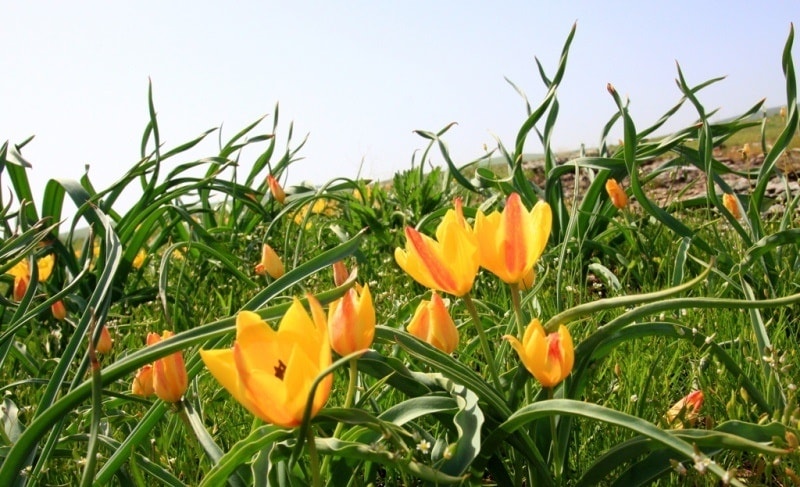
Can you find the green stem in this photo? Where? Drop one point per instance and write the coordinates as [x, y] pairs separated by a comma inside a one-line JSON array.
[[554, 439], [482, 337], [351, 392], [515, 302], [313, 457]]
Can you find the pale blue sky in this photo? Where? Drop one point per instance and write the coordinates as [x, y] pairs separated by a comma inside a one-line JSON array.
[[359, 76]]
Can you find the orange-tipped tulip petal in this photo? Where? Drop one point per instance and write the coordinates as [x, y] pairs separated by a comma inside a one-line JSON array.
[[449, 263], [730, 203], [686, 410], [276, 189], [169, 373], [143, 382], [105, 342], [548, 357], [339, 273], [59, 310], [351, 322], [511, 242], [616, 193], [433, 324], [270, 263], [271, 372]]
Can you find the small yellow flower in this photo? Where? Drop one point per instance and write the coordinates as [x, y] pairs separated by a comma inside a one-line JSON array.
[[783, 112], [170, 379], [22, 274], [139, 259], [276, 189], [271, 372], [449, 263], [616, 193], [270, 263], [511, 242], [432, 323], [351, 322], [548, 357], [730, 204], [745, 151]]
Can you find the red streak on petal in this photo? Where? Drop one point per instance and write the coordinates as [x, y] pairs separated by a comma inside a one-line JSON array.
[[513, 241], [441, 275], [554, 347]]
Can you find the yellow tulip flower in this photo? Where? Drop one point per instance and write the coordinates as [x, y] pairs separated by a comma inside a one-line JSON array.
[[433, 324], [271, 372], [139, 259], [447, 264], [511, 242], [616, 193], [22, 274], [169, 373], [548, 357], [351, 322], [270, 263]]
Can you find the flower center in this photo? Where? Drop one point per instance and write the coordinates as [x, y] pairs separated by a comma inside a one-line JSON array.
[[280, 369]]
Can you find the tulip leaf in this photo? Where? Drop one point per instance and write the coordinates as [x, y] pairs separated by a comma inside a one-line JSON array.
[[243, 451], [468, 421]]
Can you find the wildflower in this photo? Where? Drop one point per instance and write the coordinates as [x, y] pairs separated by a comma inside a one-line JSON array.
[[169, 373], [433, 324], [686, 410], [105, 342], [730, 204], [511, 242], [270, 263], [339, 273], [59, 310], [449, 263], [616, 193], [549, 357], [276, 189], [745, 151], [351, 322], [424, 446], [271, 372], [320, 206], [139, 259], [22, 274], [143, 382]]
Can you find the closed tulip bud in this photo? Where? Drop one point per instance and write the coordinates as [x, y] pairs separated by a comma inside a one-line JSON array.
[[730, 204], [433, 324], [169, 373], [270, 263], [616, 193], [143, 382], [105, 342], [59, 310], [20, 287], [339, 273], [351, 322], [276, 189], [685, 410], [548, 357]]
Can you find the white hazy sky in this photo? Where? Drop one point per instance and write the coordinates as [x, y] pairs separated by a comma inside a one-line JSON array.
[[359, 76]]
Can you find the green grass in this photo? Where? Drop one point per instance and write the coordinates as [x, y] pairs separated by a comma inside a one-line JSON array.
[[659, 302]]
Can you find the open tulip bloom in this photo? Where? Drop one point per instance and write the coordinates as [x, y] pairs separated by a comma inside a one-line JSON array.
[[548, 357], [447, 264], [271, 372]]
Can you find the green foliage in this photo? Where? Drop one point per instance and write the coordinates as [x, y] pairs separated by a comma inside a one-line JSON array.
[[660, 299]]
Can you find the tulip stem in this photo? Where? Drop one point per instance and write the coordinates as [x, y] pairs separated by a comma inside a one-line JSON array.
[[515, 302], [482, 338], [554, 440], [313, 457], [351, 392]]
